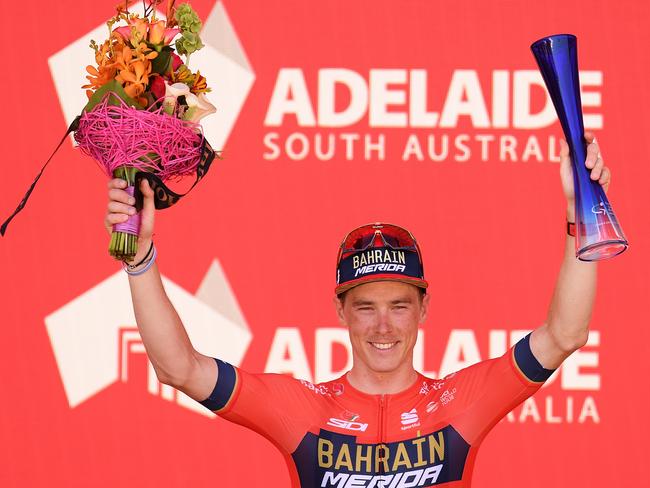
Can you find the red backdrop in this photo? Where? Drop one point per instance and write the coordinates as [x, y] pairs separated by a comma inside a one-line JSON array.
[[489, 215]]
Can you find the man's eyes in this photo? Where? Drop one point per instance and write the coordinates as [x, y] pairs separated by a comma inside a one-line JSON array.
[[394, 307]]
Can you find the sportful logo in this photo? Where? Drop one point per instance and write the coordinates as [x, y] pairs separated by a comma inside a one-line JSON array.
[[222, 61], [409, 417], [94, 336]]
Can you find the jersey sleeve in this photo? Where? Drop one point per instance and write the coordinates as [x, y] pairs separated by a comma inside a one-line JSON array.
[[273, 405], [490, 389]]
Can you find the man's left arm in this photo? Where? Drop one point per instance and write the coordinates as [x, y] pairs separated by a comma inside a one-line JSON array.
[[567, 324]]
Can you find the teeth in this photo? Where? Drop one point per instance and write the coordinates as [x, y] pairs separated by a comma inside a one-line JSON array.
[[383, 345]]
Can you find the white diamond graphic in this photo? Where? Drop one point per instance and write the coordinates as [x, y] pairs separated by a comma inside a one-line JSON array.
[[85, 333], [222, 61]]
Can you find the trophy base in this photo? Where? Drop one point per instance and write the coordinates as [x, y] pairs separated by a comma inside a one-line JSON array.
[[602, 250]]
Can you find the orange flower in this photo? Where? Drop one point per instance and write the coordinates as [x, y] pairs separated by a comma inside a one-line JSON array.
[[142, 52], [160, 35], [105, 70], [135, 80], [98, 78], [133, 66], [156, 32], [122, 56], [138, 30], [102, 53], [200, 84], [135, 32]]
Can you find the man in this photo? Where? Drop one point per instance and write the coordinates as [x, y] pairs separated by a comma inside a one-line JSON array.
[[382, 424]]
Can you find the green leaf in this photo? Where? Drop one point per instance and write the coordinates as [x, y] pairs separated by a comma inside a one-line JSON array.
[[117, 91], [160, 64]]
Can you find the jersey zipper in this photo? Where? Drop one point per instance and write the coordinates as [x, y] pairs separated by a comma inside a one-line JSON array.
[[382, 421]]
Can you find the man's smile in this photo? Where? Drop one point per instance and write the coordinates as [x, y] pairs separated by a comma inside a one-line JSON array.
[[383, 346]]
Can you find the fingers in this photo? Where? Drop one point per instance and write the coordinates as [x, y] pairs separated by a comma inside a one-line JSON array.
[[120, 204], [148, 204], [605, 177], [145, 188], [114, 218], [117, 193], [590, 136], [593, 153], [121, 196], [117, 207], [564, 149], [597, 170], [593, 161], [117, 183]]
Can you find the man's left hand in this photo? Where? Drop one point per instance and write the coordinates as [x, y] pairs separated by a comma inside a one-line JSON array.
[[594, 162]]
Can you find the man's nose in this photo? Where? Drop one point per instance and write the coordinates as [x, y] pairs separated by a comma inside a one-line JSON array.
[[383, 322]]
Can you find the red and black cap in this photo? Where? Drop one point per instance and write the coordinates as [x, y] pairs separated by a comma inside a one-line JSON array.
[[378, 252]]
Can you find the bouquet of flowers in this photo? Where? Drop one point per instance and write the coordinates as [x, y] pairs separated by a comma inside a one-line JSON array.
[[144, 106]]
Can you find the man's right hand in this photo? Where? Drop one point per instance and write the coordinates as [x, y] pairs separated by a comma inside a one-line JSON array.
[[121, 206]]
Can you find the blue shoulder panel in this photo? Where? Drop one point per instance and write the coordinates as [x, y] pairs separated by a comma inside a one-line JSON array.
[[528, 363], [223, 390]]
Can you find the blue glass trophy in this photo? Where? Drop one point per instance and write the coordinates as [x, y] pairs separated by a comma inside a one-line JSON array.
[[598, 233]]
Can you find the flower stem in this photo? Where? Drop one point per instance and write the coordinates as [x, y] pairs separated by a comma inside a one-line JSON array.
[[124, 245]]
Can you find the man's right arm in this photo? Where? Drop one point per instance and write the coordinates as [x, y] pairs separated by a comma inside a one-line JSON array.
[[165, 339]]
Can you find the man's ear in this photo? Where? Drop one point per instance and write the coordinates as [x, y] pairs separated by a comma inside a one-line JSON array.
[[424, 310], [338, 305]]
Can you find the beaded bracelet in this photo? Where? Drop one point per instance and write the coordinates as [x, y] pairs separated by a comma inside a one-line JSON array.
[[147, 265]]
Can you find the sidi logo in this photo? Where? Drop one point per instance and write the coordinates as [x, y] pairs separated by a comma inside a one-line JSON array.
[[94, 336], [222, 61], [346, 424]]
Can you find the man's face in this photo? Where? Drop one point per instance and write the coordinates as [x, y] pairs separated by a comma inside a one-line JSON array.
[[383, 319]]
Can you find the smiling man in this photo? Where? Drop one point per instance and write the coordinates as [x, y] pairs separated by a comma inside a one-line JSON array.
[[382, 424]]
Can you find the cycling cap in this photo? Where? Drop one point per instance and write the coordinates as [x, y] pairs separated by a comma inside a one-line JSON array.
[[378, 252]]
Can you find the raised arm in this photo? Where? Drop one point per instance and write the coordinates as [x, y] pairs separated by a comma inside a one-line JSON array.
[[169, 349], [567, 324]]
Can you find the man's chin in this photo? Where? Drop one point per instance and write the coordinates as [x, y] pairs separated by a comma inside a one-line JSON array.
[[385, 365]]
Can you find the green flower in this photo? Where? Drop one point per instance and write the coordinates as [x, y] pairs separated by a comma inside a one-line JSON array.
[[188, 43], [187, 19]]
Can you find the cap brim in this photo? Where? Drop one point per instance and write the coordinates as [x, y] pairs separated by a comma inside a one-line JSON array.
[[380, 277]]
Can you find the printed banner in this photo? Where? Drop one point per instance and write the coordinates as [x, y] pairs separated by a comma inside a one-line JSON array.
[[330, 115]]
